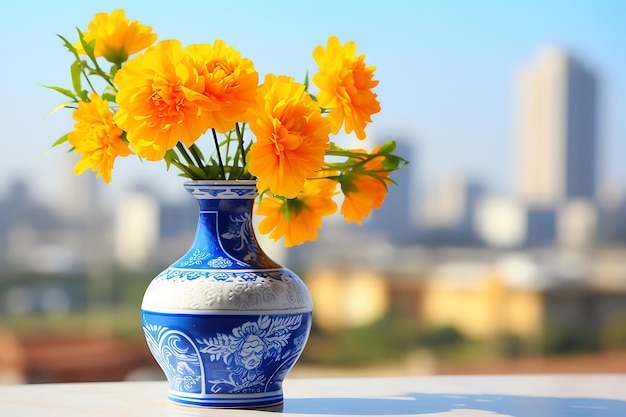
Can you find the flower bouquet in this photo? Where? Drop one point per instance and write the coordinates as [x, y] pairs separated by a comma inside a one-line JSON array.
[[225, 322], [203, 110]]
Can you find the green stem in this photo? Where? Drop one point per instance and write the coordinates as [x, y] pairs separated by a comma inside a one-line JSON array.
[[183, 151], [227, 150], [347, 153], [241, 144], [88, 80], [195, 152], [101, 72], [219, 154]]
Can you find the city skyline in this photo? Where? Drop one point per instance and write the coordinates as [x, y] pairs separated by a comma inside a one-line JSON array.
[[446, 81]]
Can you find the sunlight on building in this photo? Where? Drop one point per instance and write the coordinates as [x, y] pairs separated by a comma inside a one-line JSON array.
[[136, 230], [351, 298]]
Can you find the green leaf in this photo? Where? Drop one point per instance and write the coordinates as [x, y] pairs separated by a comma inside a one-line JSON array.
[[393, 162], [109, 94], [89, 47], [60, 141], [306, 81], [291, 206], [109, 97], [76, 84], [197, 154], [63, 91], [388, 147], [197, 172], [66, 105], [347, 184], [169, 158], [114, 69], [69, 46], [334, 146]]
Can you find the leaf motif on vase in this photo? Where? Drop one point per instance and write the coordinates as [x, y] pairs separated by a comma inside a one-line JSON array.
[[197, 258], [240, 232]]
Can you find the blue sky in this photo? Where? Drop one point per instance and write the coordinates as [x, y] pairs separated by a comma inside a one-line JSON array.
[[446, 71]]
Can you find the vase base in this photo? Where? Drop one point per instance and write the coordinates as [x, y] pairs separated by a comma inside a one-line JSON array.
[[272, 400]]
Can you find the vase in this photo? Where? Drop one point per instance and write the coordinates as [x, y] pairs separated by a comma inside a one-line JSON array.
[[224, 322]]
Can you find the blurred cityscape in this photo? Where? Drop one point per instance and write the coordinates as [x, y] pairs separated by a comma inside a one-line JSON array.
[[453, 279]]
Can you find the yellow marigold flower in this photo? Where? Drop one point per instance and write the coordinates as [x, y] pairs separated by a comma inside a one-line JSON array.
[[291, 136], [117, 37], [226, 83], [96, 138], [154, 108], [345, 84], [298, 219], [362, 192]]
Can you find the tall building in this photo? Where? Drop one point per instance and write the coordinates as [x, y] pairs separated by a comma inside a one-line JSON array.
[[557, 127]]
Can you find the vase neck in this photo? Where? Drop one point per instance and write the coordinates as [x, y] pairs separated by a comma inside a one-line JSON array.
[[225, 236]]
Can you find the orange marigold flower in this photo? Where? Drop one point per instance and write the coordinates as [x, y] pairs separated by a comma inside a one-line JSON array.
[[96, 138], [117, 37], [291, 136], [226, 83], [362, 192], [345, 84], [298, 219], [154, 108]]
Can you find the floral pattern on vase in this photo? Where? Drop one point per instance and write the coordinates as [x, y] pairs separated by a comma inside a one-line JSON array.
[[246, 348]]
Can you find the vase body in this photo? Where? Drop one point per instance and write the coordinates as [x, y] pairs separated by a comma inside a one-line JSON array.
[[225, 322]]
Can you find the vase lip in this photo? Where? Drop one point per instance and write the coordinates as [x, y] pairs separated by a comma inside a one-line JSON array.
[[221, 182], [222, 189]]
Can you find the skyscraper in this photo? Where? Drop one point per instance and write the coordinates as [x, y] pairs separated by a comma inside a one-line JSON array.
[[557, 128]]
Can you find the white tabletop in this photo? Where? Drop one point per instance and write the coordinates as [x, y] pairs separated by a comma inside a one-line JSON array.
[[432, 396]]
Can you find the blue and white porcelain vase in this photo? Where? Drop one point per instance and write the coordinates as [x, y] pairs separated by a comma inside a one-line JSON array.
[[225, 322]]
